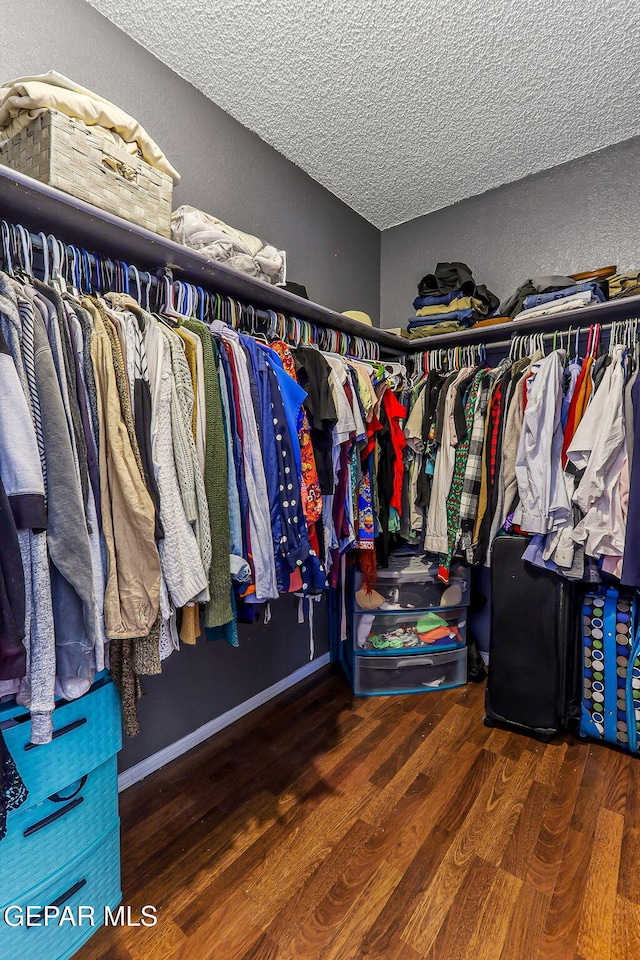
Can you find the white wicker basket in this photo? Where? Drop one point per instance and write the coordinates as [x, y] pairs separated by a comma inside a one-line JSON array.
[[75, 158]]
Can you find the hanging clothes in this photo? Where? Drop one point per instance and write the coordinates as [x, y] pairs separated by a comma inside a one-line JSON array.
[[167, 475]]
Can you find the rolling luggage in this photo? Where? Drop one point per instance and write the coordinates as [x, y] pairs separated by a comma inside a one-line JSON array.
[[534, 656]]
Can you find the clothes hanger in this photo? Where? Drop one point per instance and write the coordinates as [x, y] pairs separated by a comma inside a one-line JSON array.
[[7, 257], [25, 254], [167, 311]]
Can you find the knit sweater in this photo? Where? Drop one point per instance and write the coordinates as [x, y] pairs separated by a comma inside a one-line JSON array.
[[179, 553], [218, 609], [190, 354], [190, 479]]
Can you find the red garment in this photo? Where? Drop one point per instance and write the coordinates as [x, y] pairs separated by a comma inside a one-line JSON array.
[[373, 426], [494, 434], [576, 409], [440, 633], [395, 413]]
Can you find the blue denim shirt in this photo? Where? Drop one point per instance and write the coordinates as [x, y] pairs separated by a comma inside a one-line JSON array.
[[443, 298], [537, 299]]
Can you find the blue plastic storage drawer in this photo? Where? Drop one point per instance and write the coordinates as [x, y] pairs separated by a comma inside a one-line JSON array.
[[41, 837], [415, 673], [86, 732], [91, 880]]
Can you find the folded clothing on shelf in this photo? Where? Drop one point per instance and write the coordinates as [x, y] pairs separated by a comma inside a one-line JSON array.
[[476, 306], [536, 291], [464, 317], [417, 328], [539, 299], [624, 285], [451, 282], [574, 302], [545, 284], [217, 241], [435, 329]]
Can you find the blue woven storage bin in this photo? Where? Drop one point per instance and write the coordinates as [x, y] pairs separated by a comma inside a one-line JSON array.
[[92, 879], [41, 837], [86, 733]]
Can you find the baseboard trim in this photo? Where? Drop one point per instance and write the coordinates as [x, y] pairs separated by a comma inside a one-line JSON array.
[[157, 760]]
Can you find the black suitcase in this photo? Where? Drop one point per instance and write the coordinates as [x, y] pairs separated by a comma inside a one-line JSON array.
[[534, 655]]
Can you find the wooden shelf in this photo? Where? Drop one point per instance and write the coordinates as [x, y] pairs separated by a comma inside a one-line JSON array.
[[39, 207]]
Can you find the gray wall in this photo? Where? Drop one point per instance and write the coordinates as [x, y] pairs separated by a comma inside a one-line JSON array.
[[577, 216], [226, 169], [232, 173], [201, 682]]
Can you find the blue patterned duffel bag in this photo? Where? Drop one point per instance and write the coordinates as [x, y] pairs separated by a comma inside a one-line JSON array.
[[611, 668]]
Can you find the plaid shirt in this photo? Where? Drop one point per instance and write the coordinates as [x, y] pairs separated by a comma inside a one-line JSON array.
[[473, 472]]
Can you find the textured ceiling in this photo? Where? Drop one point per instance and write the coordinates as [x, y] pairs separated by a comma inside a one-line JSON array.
[[401, 107]]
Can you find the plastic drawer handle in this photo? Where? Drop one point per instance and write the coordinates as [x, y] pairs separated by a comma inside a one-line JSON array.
[[62, 812], [60, 900], [58, 798], [59, 733]]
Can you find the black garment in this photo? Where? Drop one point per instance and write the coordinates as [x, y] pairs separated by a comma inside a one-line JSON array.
[[384, 476], [142, 422], [458, 276], [448, 277], [442, 398], [434, 388], [459, 418], [297, 288], [89, 376], [13, 792], [13, 656], [598, 370], [488, 299], [85, 417], [313, 375]]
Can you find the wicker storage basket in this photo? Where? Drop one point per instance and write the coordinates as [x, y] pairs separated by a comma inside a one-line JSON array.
[[77, 159]]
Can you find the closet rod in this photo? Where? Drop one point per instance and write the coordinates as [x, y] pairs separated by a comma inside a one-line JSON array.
[[148, 281], [558, 334], [18, 245], [547, 335], [41, 207]]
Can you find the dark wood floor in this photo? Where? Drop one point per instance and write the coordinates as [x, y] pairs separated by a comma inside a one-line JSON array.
[[331, 827]]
